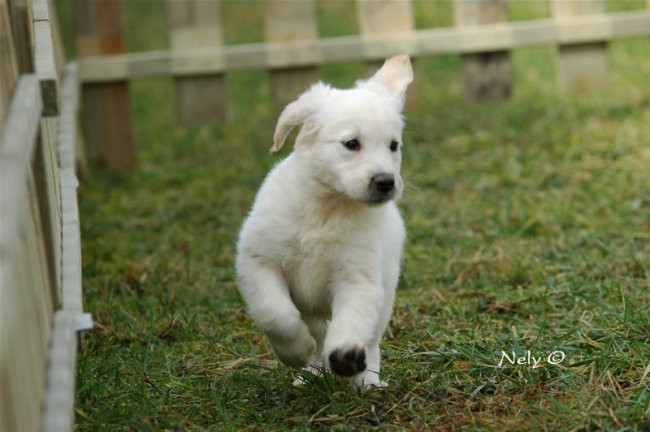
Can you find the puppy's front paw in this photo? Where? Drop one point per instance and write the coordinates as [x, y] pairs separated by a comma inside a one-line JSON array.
[[348, 361], [369, 380]]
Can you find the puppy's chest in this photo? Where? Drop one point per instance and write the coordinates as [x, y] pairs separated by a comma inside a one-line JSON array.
[[309, 269]]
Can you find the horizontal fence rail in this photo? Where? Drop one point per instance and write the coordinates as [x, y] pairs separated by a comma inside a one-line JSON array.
[[455, 40]]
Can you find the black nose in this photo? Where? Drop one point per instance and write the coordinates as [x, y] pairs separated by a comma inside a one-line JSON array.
[[382, 183]]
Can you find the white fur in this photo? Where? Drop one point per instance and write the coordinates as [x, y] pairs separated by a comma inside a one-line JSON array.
[[318, 257]]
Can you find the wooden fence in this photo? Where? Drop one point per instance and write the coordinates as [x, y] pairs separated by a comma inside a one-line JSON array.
[[41, 310], [293, 51]]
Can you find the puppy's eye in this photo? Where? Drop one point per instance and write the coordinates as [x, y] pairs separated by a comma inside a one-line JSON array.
[[352, 145], [394, 146]]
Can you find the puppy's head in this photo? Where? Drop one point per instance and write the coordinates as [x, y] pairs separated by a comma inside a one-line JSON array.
[[350, 140]]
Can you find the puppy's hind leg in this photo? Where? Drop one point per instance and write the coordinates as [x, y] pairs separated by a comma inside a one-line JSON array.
[[269, 304], [318, 329]]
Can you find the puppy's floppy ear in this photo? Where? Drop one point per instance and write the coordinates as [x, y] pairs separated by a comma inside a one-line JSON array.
[[395, 75], [299, 112]]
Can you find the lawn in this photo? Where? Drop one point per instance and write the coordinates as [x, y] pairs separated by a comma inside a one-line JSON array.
[[529, 243]]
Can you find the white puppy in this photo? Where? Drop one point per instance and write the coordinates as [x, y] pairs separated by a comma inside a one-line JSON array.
[[318, 257]]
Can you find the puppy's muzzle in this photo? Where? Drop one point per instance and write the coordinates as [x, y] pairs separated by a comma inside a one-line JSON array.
[[381, 187], [382, 183]]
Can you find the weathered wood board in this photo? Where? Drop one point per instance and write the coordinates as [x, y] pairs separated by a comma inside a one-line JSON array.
[[200, 100], [422, 42], [107, 113], [388, 17], [26, 308], [486, 75], [291, 21], [581, 67]]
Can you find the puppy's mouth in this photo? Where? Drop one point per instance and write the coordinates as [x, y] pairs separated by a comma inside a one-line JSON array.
[[378, 198]]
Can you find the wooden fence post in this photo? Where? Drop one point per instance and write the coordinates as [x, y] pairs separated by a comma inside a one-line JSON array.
[[289, 21], [581, 67], [486, 76], [390, 16], [200, 100], [107, 113]]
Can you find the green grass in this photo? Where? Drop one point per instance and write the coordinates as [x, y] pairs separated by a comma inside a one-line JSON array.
[[529, 230]]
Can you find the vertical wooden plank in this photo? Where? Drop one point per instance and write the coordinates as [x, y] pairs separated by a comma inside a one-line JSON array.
[[23, 314], [200, 100], [288, 21], [70, 230], [8, 64], [43, 10], [26, 307], [44, 160], [70, 151], [23, 31], [581, 67], [486, 76], [38, 289], [59, 51], [71, 244], [45, 66], [58, 409], [385, 17], [107, 114], [48, 204]]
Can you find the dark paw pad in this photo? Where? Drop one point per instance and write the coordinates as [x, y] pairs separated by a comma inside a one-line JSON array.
[[348, 363]]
